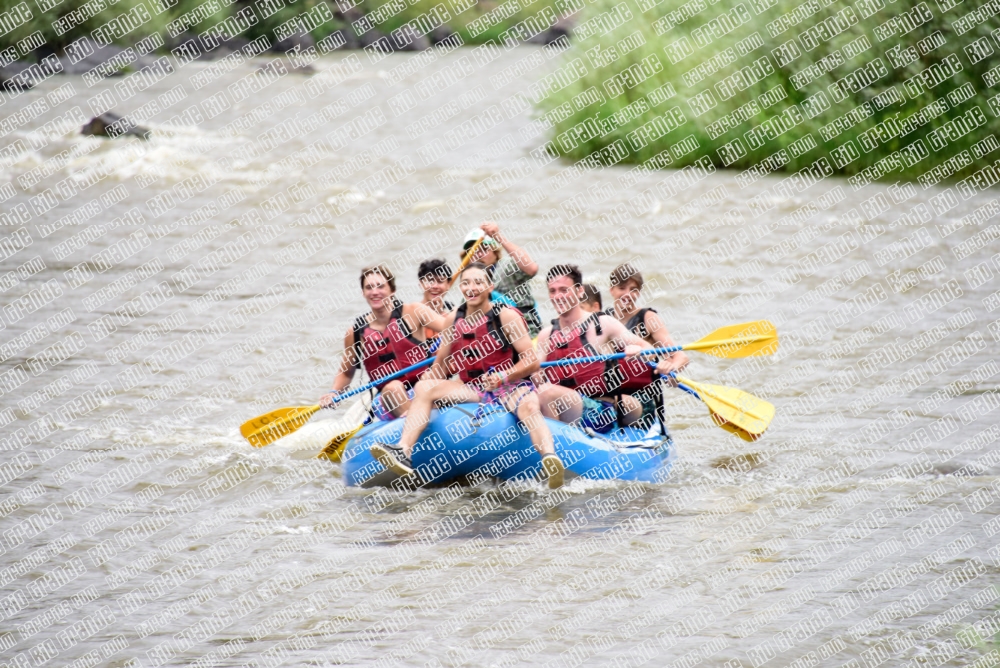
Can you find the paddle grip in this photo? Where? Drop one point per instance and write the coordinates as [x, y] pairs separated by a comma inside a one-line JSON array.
[[673, 374]]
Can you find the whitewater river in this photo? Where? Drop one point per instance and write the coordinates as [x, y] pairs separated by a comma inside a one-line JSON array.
[[166, 291]]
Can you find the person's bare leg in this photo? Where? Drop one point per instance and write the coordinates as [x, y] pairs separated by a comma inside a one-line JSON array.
[[394, 398], [630, 409], [425, 394], [529, 412], [560, 403], [397, 457]]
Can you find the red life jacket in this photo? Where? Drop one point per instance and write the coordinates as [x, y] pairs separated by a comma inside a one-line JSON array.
[[386, 352], [587, 378], [476, 349], [632, 375]]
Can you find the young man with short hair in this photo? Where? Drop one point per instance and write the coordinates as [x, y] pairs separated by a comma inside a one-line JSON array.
[[638, 379], [435, 280]]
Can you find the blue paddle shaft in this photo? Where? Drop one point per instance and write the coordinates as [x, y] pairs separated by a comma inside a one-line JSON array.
[[684, 387], [563, 362], [392, 376], [673, 374], [569, 361]]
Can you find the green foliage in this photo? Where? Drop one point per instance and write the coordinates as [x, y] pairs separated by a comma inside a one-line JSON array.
[[463, 15], [629, 92], [320, 21], [270, 15], [45, 21]]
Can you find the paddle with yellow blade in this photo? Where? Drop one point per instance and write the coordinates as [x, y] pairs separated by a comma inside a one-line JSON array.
[[465, 260], [748, 339], [268, 428], [736, 411], [743, 340]]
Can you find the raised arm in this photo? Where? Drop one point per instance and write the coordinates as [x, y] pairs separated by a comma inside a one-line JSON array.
[[521, 257]]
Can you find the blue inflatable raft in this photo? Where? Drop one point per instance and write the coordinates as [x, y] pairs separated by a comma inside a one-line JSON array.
[[472, 443]]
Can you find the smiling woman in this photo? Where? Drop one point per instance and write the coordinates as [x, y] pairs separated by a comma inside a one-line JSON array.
[[490, 351], [384, 341]]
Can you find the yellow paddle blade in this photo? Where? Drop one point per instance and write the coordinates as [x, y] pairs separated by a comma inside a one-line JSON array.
[[334, 450], [747, 339], [268, 428], [734, 407], [733, 429]]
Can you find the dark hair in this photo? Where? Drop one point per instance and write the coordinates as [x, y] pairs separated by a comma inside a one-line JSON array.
[[480, 266], [570, 270], [434, 268], [382, 271], [624, 273], [592, 295]]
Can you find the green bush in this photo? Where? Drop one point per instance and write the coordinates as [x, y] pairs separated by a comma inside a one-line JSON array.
[[675, 82], [317, 16], [463, 15], [48, 22], [58, 25], [321, 17]]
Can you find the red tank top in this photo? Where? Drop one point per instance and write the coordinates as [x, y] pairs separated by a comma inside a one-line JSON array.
[[477, 348], [386, 352], [632, 375], [587, 378]]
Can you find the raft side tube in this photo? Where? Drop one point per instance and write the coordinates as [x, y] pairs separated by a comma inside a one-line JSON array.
[[461, 443]]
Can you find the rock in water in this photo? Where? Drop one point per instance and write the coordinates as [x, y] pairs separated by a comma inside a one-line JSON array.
[[298, 42], [85, 54], [110, 124], [564, 26], [405, 38], [441, 35], [378, 37], [205, 47], [338, 39], [16, 77], [558, 34], [278, 67], [23, 75]]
